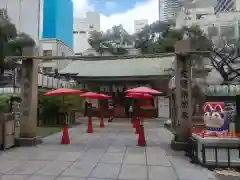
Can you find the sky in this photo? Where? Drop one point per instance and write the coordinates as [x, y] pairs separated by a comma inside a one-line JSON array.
[[115, 12]]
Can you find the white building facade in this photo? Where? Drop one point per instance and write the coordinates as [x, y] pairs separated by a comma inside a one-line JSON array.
[[168, 9], [189, 16], [82, 29], [139, 25], [224, 26], [220, 27], [54, 47]]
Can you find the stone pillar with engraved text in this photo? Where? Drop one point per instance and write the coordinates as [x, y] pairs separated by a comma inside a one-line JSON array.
[[183, 95], [29, 96]]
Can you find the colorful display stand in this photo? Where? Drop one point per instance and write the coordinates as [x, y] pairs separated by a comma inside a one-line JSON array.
[[215, 146]]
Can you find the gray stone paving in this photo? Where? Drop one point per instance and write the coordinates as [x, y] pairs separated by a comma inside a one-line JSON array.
[[109, 153]]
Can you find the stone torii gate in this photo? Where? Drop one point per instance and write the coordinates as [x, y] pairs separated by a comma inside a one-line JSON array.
[[183, 80], [29, 89]]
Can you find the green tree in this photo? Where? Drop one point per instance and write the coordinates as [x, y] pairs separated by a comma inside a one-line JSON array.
[[160, 37], [148, 39], [11, 43], [7, 33], [97, 40], [111, 41]]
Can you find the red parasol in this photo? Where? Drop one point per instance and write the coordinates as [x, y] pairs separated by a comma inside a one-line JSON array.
[[139, 96], [93, 95], [143, 90], [63, 91]]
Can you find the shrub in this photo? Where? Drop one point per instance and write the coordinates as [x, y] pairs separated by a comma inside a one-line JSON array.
[[5, 102], [50, 106]]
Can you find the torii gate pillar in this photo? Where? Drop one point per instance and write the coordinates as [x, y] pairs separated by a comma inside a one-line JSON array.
[[183, 94], [29, 96]]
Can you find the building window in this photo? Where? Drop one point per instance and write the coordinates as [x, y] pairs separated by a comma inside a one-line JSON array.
[[46, 70], [82, 32], [228, 31], [212, 31], [91, 27], [47, 52], [75, 32]]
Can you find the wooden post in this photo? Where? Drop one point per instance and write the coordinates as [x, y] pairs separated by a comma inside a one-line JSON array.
[[183, 95]]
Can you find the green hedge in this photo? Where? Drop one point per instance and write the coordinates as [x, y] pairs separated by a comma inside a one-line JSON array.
[[52, 105], [5, 102], [47, 105]]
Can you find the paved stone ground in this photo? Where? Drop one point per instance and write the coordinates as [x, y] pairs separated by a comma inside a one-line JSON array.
[[109, 153]]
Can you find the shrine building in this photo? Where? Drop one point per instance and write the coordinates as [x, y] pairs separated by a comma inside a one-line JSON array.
[[113, 77]]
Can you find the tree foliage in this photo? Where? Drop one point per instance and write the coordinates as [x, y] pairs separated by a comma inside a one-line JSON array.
[[111, 40], [11, 43], [160, 37]]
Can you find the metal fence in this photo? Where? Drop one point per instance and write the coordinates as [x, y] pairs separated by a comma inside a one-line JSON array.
[[44, 81], [57, 119], [216, 161]]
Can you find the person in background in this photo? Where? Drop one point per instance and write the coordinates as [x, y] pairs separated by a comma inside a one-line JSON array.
[[111, 109], [130, 111], [89, 109], [126, 108], [85, 108]]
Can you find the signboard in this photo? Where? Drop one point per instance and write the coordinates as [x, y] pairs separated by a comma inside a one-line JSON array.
[[163, 107], [229, 111]]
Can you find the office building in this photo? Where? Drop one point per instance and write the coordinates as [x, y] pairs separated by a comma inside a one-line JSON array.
[[58, 21], [139, 25], [82, 30], [54, 47], [48, 22], [168, 9], [192, 12], [42, 18], [227, 5]]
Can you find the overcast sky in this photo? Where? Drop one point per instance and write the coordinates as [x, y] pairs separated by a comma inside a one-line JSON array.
[[114, 12]]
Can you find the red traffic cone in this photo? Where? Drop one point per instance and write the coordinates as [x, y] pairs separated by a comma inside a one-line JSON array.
[[65, 136], [101, 123], [137, 126], [90, 127], [141, 137]]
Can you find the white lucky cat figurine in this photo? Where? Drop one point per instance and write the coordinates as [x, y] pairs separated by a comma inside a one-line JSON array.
[[214, 122]]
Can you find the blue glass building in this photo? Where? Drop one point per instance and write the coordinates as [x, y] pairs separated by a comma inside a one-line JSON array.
[[58, 20]]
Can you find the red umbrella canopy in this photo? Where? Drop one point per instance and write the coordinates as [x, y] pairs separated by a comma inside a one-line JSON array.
[[143, 90], [139, 96], [93, 95], [63, 91]]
